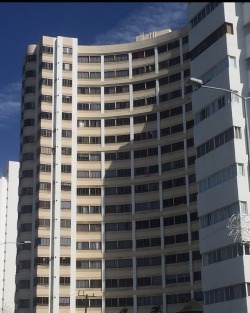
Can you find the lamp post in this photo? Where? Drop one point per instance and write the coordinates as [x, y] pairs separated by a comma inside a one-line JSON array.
[[199, 83]]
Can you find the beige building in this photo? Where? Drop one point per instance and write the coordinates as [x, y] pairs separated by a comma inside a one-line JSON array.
[[107, 178]]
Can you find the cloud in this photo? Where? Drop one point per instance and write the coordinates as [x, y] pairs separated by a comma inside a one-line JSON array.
[[154, 16], [10, 103]]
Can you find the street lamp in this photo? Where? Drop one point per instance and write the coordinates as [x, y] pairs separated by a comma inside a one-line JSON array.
[[199, 83], [236, 221], [16, 243]]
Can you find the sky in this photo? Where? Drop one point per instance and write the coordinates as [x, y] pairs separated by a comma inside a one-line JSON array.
[[93, 23]]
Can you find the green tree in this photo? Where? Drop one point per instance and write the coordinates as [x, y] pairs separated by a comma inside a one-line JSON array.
[[156, 309], [125, 310]]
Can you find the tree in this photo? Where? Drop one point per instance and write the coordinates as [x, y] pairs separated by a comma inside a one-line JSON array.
[[156, 309], [125, 310]]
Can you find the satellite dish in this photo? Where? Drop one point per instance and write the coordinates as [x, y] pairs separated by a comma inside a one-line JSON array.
[[239, 227]]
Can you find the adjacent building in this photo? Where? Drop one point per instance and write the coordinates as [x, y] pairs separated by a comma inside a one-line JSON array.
[[219, 42], [107, 177], [8, 235]]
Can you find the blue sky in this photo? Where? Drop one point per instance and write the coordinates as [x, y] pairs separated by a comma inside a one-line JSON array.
[[93, 23]]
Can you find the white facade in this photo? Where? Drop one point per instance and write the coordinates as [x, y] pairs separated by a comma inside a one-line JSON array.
[[219, 46], [8, 235]]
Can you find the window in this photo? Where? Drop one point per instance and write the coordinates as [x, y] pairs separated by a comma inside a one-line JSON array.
[[138, 70], [46, 82], [82, 283], [121, 57], [220, 177], [67, 99], [202, 14], [41, 301], [64, 300], [67, 50], [66, 116], [67, 82], [83, 59], [82, 246], [66, 133], [109, 90], [46, 98], [47, 49], [83, 74], [29, 105], [109, 74], [82, 157], [30, 89], [43, 186], [95, 174], [94, 59], [109, 106], [82, 227], [138, 55], [65, 186], [43, 205], [95, 246], [66, 151], [82, 174], [82, 263], [43, 223], [45, 115], [229, 61], [225, 28], [95, 90], [174, 61], [65, 241], [67, 66], [65, 261], [42, 241], [65, 205], [83, 106], [46, 65], [122, 73], [65, 223], [30, 58], [66, 168], [27, 173], [95, 75], [109, 58], [95, 106], [83, 90], [64, 281], [43, 281]]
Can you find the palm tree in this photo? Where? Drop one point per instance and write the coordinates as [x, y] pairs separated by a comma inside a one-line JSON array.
[[125, 310], [156, 309]]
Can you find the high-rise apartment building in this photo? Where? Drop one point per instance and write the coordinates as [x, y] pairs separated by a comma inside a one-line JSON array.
[[8, 235], [107, 179], [219, 42]]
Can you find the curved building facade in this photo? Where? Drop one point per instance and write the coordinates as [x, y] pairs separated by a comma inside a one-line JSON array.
[[107, 191]]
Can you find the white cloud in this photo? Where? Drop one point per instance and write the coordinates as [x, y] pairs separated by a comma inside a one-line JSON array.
[[154, 16], [10, 103]]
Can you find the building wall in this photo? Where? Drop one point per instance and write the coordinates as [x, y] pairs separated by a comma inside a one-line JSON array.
[[218, 57], [8, 228], [107, 187]]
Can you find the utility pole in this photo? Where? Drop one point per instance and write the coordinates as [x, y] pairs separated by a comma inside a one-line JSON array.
[[86, 303], [86, 299]]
